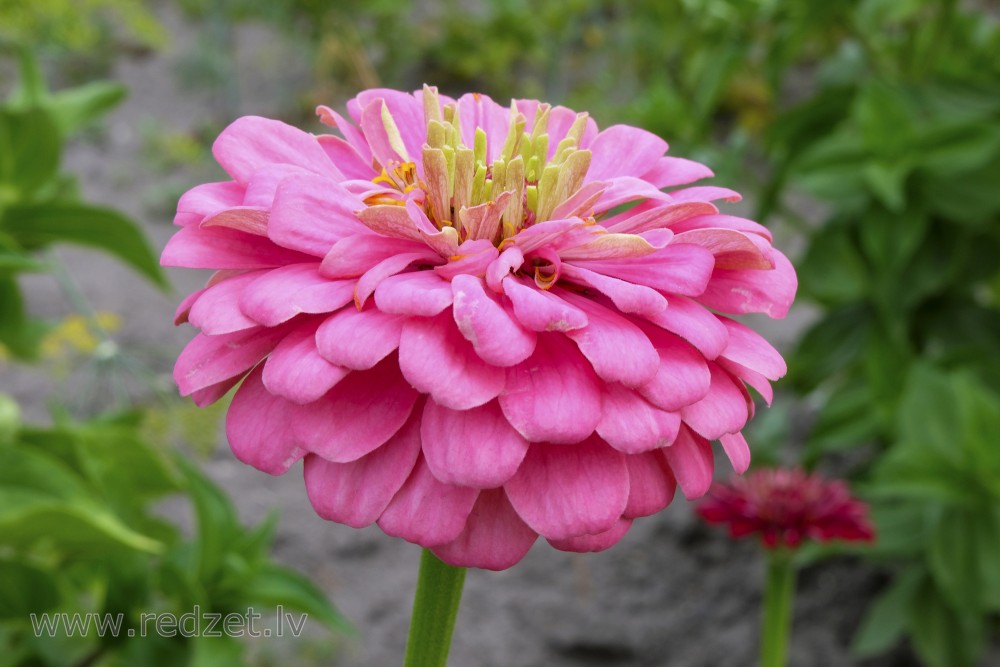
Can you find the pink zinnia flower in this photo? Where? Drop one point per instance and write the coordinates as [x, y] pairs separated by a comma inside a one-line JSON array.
[[785, 507], [476, 324]]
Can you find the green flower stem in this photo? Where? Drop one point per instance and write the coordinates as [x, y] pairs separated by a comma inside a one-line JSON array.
[[435, 608], [778, 594]]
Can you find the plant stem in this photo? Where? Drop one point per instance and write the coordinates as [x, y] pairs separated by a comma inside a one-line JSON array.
[[778, 594], [435, 608]]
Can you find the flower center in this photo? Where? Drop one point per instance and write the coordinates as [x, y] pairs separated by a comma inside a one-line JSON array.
[[523, 184]]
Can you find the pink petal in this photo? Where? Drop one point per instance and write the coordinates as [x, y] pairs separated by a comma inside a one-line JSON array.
[[622, 150], [591, 543], [222, 248], [509, 260], [207, 199], [407, 112], [627, 297], [753, 291], [208, 360], [748, 348], [677, 269], [281, 294], [476, 110], [723, 410], [355, 255], [618, 350], [359, 414], [752, 378], [184, 307], [373, 125], [422, 293], [692, 462], [296, 371], [682, 376], [437, 360], [732, 249], [624, 189], [494, 537], [541, 311], [359, 339], [561, 120], [428, 512], [651, 484], [564, 492], [554, 396], [347, 158], [474, 257], [373, 277], [217, 310], [735, 446], [311, 213], [259, 427], [210, 394], [352, 134], [494, 333], [670, 171], [357, 493], [695, 324], [251, 142], [248, 219], [264, 183], [476, 447], [706, 193], [725, 221], [656, 216], [631, 425]]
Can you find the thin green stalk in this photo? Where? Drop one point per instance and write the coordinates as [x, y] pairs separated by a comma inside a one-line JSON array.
[[778, 594], [435, 608]]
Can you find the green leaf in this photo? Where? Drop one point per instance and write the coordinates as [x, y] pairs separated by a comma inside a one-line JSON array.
[[953, 555], [846, 420], [74, 108], [942, 635], [37, 226], [833, 270], [274, 585], [885, 619], [15, 262], [29, 152], [18, 334], [215, 651], [830, 346], [218, 524], [26, 590]]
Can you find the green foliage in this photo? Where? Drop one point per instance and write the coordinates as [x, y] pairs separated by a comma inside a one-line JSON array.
[[79, 532], [937, 496], [38, 204]]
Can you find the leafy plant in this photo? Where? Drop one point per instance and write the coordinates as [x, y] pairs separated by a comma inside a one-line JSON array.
[[79, 532], [39, 205]]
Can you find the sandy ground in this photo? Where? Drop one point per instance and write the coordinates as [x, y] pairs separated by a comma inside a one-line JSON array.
[[673, 592]]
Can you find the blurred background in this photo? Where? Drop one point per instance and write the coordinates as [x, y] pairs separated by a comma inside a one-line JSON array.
[[864, 133]]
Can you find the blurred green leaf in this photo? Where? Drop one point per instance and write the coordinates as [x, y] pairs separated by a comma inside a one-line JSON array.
[[26, 590], [75, 108], [942, 636], [885, 620], [37, 226], [274, 585], [29, 153]]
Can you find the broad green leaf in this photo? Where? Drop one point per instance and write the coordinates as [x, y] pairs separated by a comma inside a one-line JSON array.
[[18, 334], [833, 270], [885, 619], [76, 528], [830, 347], [74, 108], [275, 585], [214, 651], [885, 117], [29, 151], [37, 226], [16, 262], [26, 590], [218, 524], [929, 414], [944, 636], [845, 421], [953, 554]]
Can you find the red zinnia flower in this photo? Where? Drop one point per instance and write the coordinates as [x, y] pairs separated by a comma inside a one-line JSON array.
[[787, 506]]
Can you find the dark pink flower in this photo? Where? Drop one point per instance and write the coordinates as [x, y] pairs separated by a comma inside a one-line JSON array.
[[476, 324], [785, 507]]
